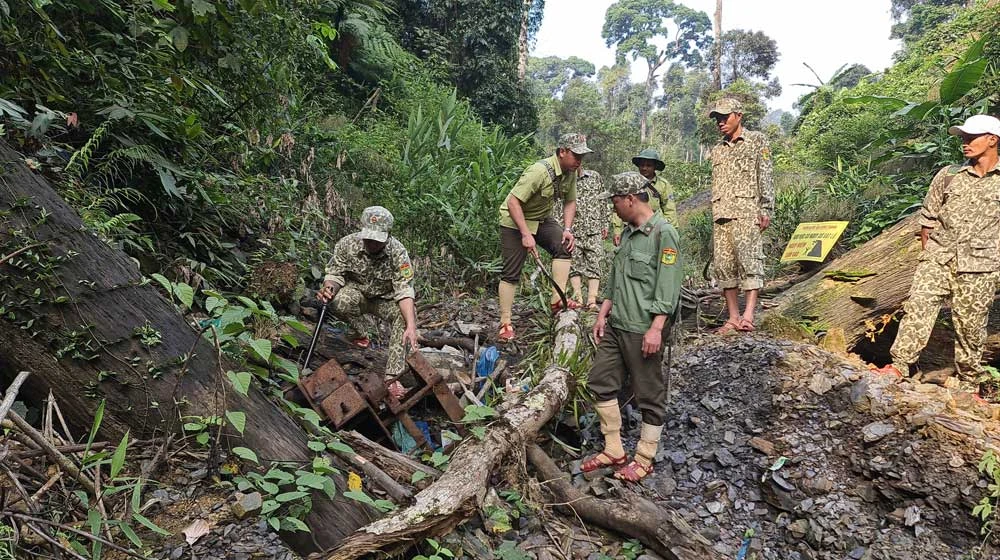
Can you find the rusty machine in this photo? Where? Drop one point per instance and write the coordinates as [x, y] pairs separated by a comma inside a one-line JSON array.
[[341, 398]]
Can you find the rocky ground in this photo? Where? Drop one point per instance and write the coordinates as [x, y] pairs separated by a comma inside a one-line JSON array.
[[816, 457], [774, 450]]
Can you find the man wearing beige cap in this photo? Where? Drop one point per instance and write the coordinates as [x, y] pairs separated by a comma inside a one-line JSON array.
[[370, 273], [742, 206], [960, 256], [526, 221]]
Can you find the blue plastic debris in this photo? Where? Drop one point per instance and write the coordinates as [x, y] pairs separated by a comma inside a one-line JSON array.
[[742, 554], [486, 364]]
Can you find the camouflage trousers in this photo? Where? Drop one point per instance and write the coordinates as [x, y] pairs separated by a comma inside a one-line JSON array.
[[971, 297], [588, 256], [738, 254], [352, 307]]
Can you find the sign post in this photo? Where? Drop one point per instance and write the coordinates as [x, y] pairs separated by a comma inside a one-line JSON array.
[[812, 241]]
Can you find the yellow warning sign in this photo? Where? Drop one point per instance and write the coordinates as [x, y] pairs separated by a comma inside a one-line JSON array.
[[812, 241]]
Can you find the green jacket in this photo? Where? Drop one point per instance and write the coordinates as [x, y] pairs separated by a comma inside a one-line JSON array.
[[665, 203], [539, 186], [646, 275]]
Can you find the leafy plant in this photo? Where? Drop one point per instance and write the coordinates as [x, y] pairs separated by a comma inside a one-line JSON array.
[[438, 552], [986, 509]]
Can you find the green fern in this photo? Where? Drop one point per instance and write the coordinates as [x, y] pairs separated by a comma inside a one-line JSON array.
[[80, 160]]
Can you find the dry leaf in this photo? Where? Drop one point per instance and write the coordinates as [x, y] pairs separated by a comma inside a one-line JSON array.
[[196, 530]]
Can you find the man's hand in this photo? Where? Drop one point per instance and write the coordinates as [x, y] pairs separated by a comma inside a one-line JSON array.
[[604, 233], [651, 342], [617, 240], [410, 337], [925, 234], [327, 292], [568, 240], [528, 242], [763, 221], [598, 330]]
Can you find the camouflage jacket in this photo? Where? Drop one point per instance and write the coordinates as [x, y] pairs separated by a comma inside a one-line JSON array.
[[592, 212], [742, 185], [387, 275], [963, 211]]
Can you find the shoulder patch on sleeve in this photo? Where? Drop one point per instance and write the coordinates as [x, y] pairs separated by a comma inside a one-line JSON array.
[[765, 152], [406, 270], [668, 256]]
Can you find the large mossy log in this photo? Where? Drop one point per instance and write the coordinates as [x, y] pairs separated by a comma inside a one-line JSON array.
[[863, 288], [90, 303]]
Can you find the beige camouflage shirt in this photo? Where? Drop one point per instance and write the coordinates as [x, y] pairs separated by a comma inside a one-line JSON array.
[[742, 184], [964, 211], [388, 274], [592, 212]]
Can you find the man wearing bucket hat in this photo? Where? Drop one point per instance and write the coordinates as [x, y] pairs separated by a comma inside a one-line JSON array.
[[641, 295], [960, 256], [742, 206], [526, 221], [661, 192], [370, 273]]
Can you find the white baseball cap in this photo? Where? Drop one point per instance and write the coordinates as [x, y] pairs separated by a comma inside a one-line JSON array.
[[977, 124]]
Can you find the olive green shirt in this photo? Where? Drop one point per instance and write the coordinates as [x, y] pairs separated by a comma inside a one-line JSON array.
[[646, 275], [665, 204], [537, 192], [963, 210]]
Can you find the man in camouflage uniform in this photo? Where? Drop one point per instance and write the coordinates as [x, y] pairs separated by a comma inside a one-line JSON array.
[[370, 274], [960, 257], [641, 295], [742, 205], [526, 221], [590, 230], [661, 192]]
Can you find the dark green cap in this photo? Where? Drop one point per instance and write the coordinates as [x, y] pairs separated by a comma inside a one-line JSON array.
[[652, 156]]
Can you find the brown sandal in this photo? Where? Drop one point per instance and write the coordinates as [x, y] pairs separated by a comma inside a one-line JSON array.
[[727, 328], [595, 462], [633, 472], [746, 325]]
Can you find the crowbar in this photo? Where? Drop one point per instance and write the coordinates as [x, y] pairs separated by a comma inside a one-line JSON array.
[[541, 267]]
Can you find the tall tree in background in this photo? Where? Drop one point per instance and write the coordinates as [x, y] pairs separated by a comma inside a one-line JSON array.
[[633, 26], [717, 47], [478, 42], [915, 17], [550, 75], [531, 20], [675, 125], [750, 56]]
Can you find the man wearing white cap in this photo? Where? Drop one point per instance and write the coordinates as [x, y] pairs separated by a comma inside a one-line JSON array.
[[960, 238], [371, 274]]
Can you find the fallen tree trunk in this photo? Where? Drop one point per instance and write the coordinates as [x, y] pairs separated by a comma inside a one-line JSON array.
[[77, 335], [862, 290], [663, 531], [460, 491]]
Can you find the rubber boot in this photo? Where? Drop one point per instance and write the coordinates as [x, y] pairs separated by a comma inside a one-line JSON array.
[[560, 274], [577, 284], [593, 288], [506, 297], [611, 427], [649, 441]]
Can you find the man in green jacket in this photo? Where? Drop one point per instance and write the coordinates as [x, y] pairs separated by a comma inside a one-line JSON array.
[[526, 221], [648, 162], [640, 299]]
